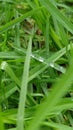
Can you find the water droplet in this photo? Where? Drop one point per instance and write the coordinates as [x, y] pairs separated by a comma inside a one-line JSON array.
[[32, 55], [63, 69], [3, 65], [41, 59], [5, 108], [52, 64], [58, 113]]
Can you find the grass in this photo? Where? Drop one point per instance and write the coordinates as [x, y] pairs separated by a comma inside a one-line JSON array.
[[36, 65]]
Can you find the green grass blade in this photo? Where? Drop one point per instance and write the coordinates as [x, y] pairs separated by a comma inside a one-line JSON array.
[[57, 126], [1, 120], [5, 66], [10, 89], [10, 55], [47, 35], [17, 31], [23, 93]]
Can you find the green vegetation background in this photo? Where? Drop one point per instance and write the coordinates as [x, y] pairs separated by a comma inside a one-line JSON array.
[[36, 64]]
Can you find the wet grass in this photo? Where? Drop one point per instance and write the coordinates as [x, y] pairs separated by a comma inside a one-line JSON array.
[[36, 65]]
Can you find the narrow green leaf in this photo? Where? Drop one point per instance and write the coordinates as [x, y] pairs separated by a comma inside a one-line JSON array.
[[57, 126], [6, 67], [1, 120], [23, 93]]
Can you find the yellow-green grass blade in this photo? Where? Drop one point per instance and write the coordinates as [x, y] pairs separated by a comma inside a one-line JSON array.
[[57, 126]]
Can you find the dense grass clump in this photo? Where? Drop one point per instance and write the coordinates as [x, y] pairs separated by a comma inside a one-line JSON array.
[[36, 64]]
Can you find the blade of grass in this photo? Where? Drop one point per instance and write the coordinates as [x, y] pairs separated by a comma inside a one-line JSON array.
[[57, 126], [5, 66], [10, 89], [63, 35], [1, 120], [23, 93], [17, 31], [10, 55], [55, 38], [47, 35]]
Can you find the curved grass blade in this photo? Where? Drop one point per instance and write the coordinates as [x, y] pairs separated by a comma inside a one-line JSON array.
[[57, 126]]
